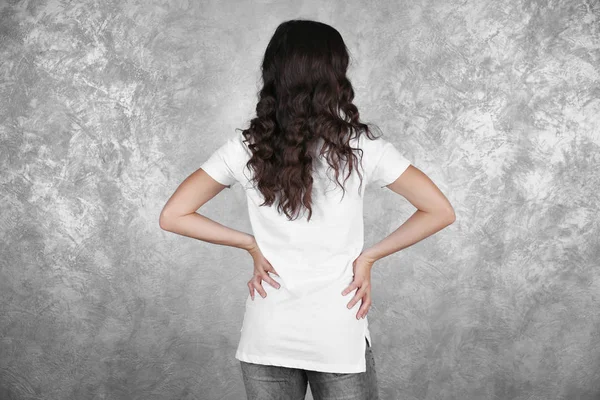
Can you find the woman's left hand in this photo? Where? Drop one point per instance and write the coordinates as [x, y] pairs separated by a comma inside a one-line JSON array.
[[362, 281]]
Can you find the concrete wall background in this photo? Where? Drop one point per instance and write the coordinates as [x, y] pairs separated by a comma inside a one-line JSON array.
[[106, 106]]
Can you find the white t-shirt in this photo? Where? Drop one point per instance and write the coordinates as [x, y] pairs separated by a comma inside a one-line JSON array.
[[306, 322]]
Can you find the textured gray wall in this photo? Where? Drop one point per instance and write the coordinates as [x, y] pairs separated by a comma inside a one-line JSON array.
[[106, 106]]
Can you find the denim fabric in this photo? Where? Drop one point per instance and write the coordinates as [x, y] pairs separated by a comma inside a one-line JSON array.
[[271, 382]]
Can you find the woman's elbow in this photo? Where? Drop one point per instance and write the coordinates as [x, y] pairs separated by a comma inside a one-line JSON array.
[[162, 223], [165, 221], [449, 216]]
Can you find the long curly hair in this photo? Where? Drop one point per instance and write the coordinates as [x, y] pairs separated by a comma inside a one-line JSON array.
[[305, 97]]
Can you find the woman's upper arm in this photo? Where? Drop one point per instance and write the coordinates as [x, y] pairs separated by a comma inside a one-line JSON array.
[[217, 172], [391, 169], [421, 192], [195, 191]]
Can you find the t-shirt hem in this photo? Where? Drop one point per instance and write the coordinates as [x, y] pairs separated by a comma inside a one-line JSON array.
[[307, 365]]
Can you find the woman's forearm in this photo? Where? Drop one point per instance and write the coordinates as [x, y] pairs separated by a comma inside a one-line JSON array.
[[200, 227], [416, 228]]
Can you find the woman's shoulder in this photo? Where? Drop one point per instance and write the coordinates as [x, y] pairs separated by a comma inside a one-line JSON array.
[[237, 146], [371, 146]]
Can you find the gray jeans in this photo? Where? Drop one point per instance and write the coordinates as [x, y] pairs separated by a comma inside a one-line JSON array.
[[271, 382]]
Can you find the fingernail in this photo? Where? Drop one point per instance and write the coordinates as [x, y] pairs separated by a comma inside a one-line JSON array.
[[348, 306]]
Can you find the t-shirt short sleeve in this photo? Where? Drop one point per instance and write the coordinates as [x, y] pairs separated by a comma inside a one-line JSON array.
[[223, 164], [390, 162]]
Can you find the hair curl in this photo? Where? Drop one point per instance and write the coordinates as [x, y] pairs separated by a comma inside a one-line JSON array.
[[304, 90]]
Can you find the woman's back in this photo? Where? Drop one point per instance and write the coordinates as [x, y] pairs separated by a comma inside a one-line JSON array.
[[305, 323], [307, 242]]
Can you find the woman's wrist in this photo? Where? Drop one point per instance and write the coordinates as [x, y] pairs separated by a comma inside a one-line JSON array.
[[368, 257], [251, 247]]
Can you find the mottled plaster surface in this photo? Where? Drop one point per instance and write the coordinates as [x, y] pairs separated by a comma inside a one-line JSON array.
[[106, 106]]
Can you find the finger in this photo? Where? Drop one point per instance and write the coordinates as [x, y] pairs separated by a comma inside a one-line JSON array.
[[269, 264], [363, 311], [364, 308], [271, 281], [260, 289], [271, 269], [350, 288], [251, 290], [359, 294]]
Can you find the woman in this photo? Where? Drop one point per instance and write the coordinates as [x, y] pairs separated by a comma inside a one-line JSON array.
[[309, 322]]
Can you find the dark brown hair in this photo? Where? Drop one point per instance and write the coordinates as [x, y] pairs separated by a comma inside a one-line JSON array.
[[304, 90]]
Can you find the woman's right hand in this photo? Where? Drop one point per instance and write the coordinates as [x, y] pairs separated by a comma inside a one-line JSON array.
[[262, 267]]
